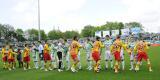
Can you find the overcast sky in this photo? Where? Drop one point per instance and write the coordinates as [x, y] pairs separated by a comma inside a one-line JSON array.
[[74, 14]]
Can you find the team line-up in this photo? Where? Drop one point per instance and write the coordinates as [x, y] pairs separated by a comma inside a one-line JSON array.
[[48, 56]]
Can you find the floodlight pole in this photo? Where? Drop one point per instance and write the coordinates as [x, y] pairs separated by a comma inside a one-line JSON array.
[[39, 34]]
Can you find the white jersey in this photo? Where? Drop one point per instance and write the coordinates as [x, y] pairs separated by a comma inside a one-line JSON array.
[[88, 47], [131, 46], [59, 47], [34, 53], [108, 55], [107, 44]]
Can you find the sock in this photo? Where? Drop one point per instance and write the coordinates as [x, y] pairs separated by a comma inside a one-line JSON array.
[[9, 66], [21, 64], [42, 64], [107, 64], [111, 64], [45, 65], [25, 65], [98, 65], [90, 64], [79, 65], [123, 64], [116, 66], [54, 64], [68, 65], [137, 66], [73, 66], [60, 64], [4, 65], [149, 64], [131, 63], [36, 64]]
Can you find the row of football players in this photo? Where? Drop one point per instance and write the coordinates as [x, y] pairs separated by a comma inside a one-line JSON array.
[[61, 52], [137, 51]]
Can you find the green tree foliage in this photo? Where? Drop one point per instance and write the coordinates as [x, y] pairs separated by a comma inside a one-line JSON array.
[[19, 31], [55, 34], [8, 31], [20, 35], [88, 31], [70, 34], [133, 24], [43, 35], [33, 34]]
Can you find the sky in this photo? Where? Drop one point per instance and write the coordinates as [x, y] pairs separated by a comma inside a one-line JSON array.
[[75, 14]]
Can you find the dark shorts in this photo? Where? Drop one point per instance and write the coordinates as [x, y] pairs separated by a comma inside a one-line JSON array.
[[59, 54], [19, 57]]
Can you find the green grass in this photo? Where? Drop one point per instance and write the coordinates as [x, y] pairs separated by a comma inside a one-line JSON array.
[[143, 74]]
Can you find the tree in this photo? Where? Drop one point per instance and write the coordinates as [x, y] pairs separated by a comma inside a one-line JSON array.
[[88, 31], [111, 26], [20, 35], [43, 35], [133, 24], [70, 34], [1, 30], [121, 26], [7, 31], [19, 31], [55, 34], [33, 34]]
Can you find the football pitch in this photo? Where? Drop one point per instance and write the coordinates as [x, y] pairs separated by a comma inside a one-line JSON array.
[[143, 74]]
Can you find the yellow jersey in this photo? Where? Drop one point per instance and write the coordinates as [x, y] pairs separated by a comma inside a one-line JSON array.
[[117, 46], [97, 45], [26, 52], [74, 47], [10, 54], [46, 48], [141, 47], [3, 52]]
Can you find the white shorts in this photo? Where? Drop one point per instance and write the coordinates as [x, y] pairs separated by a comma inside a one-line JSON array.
[[132, 56], [68, 57], [122, 55], [108, 55], [53, 57], [88, 55], [35, 57]]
